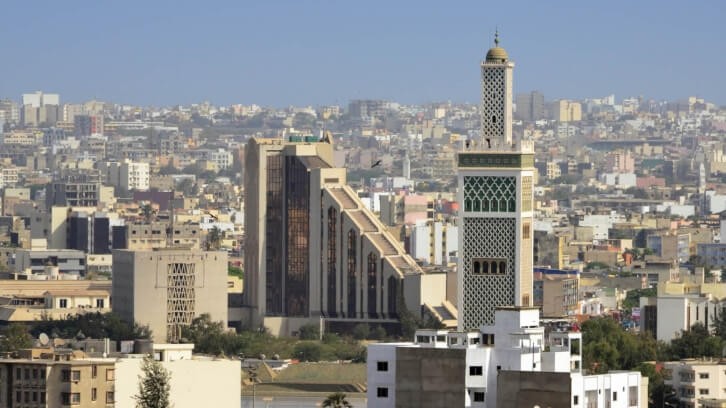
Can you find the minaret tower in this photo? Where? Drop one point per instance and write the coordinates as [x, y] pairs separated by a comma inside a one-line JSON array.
[[495, 178]]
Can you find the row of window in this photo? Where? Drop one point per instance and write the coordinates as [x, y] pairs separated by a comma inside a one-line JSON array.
[[28, 373], [489, 266], [30, 397], [63, 303], [74, 398]]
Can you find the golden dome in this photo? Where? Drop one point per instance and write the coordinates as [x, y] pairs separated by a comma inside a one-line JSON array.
[[497, 54]]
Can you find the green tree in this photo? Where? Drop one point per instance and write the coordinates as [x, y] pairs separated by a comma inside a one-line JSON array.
[[147, 211], [336, 400], [361, 331], [154, 385], [693, 343], [308, 351], [214, 238], [15, 337], [309, 332]]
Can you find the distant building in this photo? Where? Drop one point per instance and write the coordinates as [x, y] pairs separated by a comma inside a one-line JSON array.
[[87, 125], [434, 242], [530, 107], [41, 109], [166, 289], [567, 111]]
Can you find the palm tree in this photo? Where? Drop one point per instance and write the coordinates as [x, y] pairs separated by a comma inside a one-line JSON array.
[[214, 238], [336, 400]]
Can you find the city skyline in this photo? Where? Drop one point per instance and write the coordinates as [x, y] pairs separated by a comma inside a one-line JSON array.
[[318, 53]]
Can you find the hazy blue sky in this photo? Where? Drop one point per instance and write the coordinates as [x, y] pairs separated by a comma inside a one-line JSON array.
[[321, 52]]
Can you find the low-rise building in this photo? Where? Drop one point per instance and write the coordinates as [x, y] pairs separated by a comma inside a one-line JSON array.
[[504, 365]]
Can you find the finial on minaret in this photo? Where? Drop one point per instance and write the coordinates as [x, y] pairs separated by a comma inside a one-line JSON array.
[[496, 37]]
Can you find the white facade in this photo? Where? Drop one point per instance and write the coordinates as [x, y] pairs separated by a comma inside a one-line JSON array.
[[601, 223], [694, 380], [195, 381], [681, 312], [134, 176], [434, 242], [222, 158], [516, 343]]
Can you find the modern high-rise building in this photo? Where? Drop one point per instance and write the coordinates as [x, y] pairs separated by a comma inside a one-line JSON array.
[[530, 106], [41, 109], [313, 252], [495, 178]]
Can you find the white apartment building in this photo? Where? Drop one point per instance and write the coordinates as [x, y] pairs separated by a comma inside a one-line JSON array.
[[697, 383], [196, 381], [434, 242], [127, 175], [502, 365], [222, 158]]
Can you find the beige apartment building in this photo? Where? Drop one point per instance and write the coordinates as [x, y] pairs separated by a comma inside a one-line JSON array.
[[56, 380]]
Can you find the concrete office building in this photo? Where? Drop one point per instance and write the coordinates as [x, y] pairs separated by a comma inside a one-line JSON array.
[[167, 288], [314, 253], [495, 178], [530, 107]]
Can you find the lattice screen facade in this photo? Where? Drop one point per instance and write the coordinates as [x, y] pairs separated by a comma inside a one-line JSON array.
[[527, 196], [487, 238], [492, 111], [490, 194], [180, 297]]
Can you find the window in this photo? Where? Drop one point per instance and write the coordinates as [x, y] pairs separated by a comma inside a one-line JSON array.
[[576, 400], [18, 373], [35, 397], [110, 374], [478, 396], [94, 394], [75, 375], [615, 395], [68, 398], [35, 373], [63, 303], [703, 391], [27, 373], [476, 370], [703, 376], [382, 392], [94, 371], [109, 397], [18, 396], [66, 375], [42, 373], [488, 339], [526, 230], [99, 303], [42, 397], [486, 266], [383, 366]]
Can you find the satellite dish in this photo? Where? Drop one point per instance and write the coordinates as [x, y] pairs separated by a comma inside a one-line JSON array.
[[43, 339]]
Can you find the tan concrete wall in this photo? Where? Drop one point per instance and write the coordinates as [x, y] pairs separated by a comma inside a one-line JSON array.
[[517, 389], [430, 377]]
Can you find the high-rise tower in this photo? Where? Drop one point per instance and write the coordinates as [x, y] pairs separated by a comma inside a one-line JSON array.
[[496, 176]]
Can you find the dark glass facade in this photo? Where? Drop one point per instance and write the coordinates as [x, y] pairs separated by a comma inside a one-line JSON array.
[[352, 254], [372, 283], [332, 258], [101, 233], [273, 236], [297, 211]]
